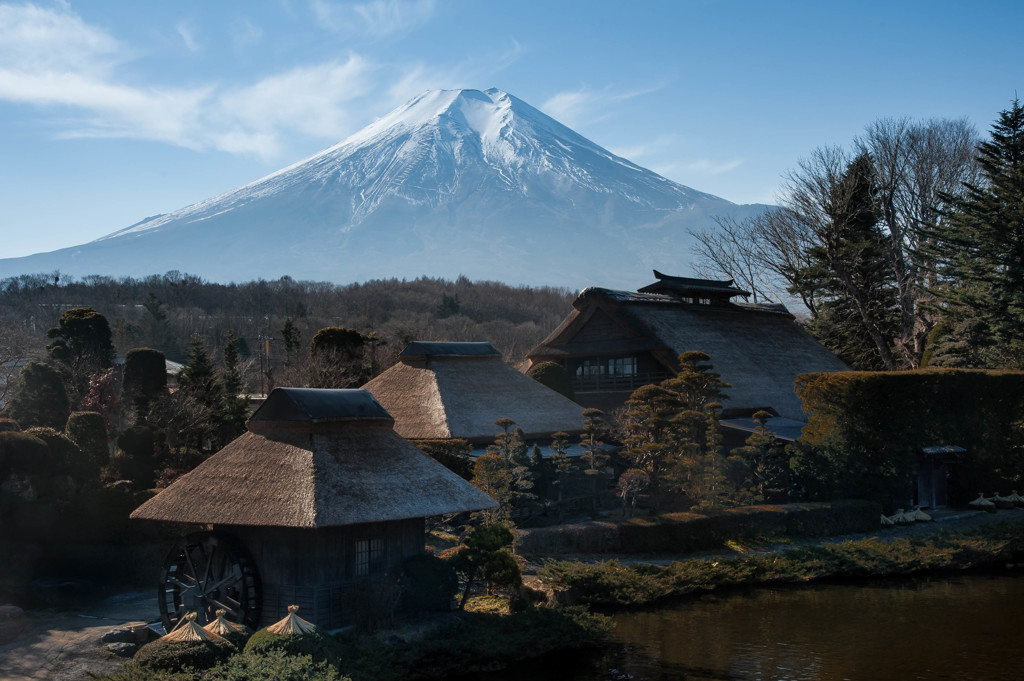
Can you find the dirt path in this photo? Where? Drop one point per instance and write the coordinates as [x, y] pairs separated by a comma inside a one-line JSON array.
[[65, 645]]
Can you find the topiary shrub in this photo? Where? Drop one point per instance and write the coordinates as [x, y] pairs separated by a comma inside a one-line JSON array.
[[39, 398], [187, 646], [140, 445], [177, 655], [295, 636], [317, 644], [428, 583], [66, 458], [88, 430], [554, 376]]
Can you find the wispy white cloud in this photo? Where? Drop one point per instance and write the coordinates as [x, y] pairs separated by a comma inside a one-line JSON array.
[[586, 105], [51, 58], [315, 101], [187, 32], [374, 19], [244, 33], [655, 147], [40, 39], [698, 167]]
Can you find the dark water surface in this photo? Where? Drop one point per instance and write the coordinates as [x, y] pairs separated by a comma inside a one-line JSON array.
[[968, 628]]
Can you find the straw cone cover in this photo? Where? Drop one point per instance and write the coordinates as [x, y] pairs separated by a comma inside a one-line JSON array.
[[292, 624], [189, 630]]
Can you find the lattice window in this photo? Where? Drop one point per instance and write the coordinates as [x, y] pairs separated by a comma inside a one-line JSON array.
[[369, 557]]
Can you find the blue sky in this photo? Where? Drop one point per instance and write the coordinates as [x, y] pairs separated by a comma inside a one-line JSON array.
[[112, 111]]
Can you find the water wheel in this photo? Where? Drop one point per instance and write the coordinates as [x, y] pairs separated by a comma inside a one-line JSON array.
[[206, 572]]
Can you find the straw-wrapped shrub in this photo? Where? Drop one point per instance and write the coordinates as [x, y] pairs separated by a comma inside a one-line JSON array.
[[294, 636], [188, 646]]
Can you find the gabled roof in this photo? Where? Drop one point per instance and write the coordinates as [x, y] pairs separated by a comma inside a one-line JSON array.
[[342, 465], [449, 395], [758, 349], [686, 286]]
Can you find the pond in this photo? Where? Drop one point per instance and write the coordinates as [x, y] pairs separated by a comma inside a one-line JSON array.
[[965, 628]]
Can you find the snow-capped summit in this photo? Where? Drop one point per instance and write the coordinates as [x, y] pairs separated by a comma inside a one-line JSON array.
[[452, 182]]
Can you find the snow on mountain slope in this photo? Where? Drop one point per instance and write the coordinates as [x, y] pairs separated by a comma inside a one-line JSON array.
[[453, 182]]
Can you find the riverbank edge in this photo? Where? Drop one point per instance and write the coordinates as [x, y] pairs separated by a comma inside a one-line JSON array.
[[614, 585]]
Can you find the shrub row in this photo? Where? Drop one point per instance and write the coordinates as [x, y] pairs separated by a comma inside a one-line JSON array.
[[686, 532], [613, 584]]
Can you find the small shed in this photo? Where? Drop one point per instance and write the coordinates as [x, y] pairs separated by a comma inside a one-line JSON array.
[[931, 488], [441, 390], [320, 494]]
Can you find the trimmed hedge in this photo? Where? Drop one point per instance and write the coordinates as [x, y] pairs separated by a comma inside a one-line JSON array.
[[866, 429], [614, 584], [686, 532]]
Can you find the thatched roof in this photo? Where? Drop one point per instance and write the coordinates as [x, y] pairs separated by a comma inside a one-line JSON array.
[[343, 465], [458, 390], [758, 349]]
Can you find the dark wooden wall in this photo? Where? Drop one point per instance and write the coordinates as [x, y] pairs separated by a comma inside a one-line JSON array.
[[314, 568]]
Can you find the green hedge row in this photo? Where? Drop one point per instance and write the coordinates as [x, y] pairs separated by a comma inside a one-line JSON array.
[[867, 428], [686, 532], [614, 584]]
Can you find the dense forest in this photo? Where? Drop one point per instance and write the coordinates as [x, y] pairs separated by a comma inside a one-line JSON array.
[[165, 312]]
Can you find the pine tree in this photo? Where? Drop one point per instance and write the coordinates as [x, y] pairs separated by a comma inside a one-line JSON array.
[[858, 312], [980, 256], [236, 404], [39, 398]]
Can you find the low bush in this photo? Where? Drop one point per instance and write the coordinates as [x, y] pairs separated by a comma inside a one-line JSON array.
[[317, 644], [273, 665], [179, 655], [613, 584], [428, 583], [474, 643]]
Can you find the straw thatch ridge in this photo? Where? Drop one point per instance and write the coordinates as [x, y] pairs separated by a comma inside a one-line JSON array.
[[758, 349], [347, 473], [442, 396]]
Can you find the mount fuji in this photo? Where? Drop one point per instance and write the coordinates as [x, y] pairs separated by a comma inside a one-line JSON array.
[[454, 182]]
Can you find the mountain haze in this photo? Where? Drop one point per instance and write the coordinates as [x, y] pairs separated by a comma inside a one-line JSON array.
[[453, 182]]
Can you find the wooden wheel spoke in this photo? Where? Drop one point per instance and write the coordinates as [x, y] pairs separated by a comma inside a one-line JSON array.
[[208, 571]]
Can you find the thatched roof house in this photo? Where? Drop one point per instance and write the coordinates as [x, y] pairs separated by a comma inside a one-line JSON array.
[[321, 492], [615, 341], [439, 391]]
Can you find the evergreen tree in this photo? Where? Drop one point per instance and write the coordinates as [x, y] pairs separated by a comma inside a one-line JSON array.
[[847, 273], [672, 432], [980, 256], [236, 403], [292, 338], [198, 377], [594, 455], [145, 377], [39, 398]]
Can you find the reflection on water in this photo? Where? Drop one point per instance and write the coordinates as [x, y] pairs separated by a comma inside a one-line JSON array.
[[968, 628], [963, 629]]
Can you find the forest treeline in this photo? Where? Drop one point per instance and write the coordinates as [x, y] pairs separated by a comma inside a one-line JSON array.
[[166, 311]]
